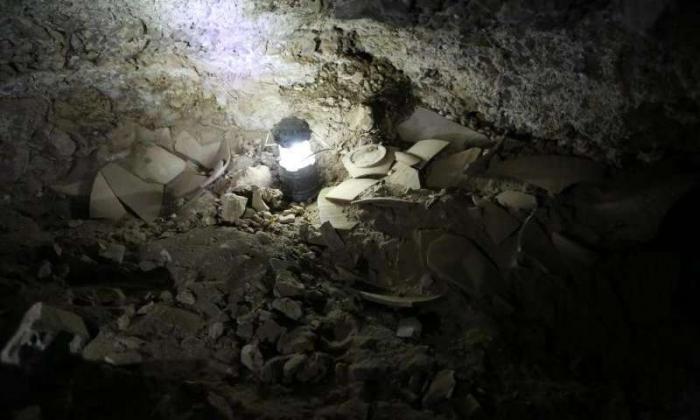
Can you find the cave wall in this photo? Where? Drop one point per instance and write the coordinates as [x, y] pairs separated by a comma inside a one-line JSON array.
[[604, 79]]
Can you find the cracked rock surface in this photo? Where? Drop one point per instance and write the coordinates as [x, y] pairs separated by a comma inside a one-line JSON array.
[[609, 80]]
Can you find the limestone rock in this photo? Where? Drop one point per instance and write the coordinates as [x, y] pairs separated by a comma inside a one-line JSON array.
[[298, 340], [123, 136], [360, 118], [162, 318], [114, 253], [441, 388], [270, 331], [257, 202], [409, 328], [286, 285], [124, 359], [252, 358], [62, 144], [292, 366], [39, 327], [517, 200], [232, 207], [427, 149], [216, 330], [290, 308], [186, 297], [314, 368], [255, 176], [286, 219], [45, 270], [272, 371]]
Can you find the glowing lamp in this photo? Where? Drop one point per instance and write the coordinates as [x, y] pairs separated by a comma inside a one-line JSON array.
[[297, 156], [296, 159]]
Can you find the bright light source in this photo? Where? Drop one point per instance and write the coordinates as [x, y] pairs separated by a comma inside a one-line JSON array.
[[297, 156]]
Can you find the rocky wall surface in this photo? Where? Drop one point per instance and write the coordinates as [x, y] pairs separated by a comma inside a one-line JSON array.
[[599, 78]]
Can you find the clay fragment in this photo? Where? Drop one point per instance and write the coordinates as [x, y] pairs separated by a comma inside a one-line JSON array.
[[553, 173], [516, 200], [144, 198], [404, 176], [349, 189], [426, 124], [333, 213], [104, 204], [427, 149], [397, 301], [447, 172]]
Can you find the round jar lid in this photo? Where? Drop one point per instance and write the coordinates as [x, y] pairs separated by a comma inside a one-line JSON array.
[[369, 155]]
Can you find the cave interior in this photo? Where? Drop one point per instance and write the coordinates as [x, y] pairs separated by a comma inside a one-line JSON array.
[[349, 209]]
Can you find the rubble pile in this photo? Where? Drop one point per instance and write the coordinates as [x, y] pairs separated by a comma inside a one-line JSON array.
[[428, 284]]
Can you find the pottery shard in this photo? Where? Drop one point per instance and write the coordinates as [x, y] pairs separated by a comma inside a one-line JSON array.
[[153, 163], [381, 168], [159, 136], [104, 204], [498, 222], [447, 172], [349, 189], [459, 261], [425, 124], [188, 181], [427, 149], [397, 301], [404, 176], [407, 158], [144, 198], [333, 213], [188, 146], [553, 173], [114, 252]]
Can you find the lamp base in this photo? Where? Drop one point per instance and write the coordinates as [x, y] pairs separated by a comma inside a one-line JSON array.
[[300, 185]]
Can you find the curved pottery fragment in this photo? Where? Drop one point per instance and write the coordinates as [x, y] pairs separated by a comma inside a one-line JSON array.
[[459, 261]]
